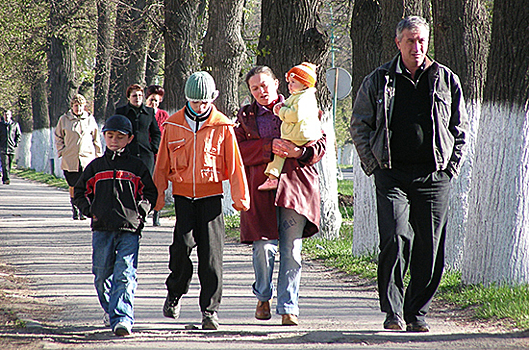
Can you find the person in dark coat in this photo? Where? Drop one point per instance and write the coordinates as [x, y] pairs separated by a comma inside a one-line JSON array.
[[284, 216], [410, 129], [9, 139], [147, 134]]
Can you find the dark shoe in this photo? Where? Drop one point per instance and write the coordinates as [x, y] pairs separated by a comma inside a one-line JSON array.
[[262, 311], [81, 216], [418, 326], [171, 307], [75, 212], [210, 320], [7, 182], [156, 218], [289, 320], [394, 321]]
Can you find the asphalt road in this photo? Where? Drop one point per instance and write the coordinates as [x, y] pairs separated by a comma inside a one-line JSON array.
[[39, 239]]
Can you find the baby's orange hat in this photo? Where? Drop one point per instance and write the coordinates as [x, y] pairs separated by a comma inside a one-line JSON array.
[[305, 73]]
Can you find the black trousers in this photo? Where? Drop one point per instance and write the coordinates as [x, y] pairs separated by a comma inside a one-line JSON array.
[[412, 207], [6, 159], [200, 223]]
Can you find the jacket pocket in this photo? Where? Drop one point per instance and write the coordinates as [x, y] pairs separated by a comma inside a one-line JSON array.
[[212, 165], [443, 106], [178, 153]]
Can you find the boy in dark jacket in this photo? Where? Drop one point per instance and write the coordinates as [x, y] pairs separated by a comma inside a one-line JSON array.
[[116, 191]]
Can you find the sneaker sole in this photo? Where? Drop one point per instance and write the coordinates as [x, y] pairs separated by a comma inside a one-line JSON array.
[[122, 332]]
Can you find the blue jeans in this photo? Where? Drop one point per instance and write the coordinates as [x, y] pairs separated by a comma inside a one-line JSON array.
[[291, 226], [114, 264]]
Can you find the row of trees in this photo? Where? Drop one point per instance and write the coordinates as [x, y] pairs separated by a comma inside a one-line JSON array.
[[54, 48]]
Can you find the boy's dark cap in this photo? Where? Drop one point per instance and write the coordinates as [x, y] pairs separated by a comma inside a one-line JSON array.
[[118, 123]]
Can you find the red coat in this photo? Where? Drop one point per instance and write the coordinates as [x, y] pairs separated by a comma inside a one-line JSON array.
[[298, 184]]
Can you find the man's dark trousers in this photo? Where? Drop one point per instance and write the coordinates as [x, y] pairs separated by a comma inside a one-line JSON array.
[[412, 206]]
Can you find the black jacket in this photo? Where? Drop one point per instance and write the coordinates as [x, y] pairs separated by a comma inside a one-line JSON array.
[[116, 191], [9, 137], [147, 134]]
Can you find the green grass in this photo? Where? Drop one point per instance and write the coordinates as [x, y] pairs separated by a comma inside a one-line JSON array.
[[345, 187], [48, 179], [495, 302]]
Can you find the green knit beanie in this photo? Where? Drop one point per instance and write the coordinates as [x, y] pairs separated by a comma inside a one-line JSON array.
[[200, 86]]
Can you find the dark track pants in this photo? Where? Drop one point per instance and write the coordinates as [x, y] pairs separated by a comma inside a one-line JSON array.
[[200, 224], [412, 208]]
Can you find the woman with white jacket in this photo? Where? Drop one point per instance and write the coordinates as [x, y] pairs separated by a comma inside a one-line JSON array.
[[78, 143]]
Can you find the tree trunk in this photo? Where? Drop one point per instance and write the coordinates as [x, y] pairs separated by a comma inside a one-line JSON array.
[[184, 22], [291, 34], [105, 34], [40, 143], [496, 245], [392, 12], [155, 58], [132, 36], [463, 24], [61, 61], [224, 52], [373, 43], [417, 8], [366, 40]]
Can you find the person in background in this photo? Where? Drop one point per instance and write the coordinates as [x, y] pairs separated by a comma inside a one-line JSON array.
[[145, 128], [78, 143], [116, 191], [154, 96], [198, 151], [9, 139], [277, 220], [410, 126]]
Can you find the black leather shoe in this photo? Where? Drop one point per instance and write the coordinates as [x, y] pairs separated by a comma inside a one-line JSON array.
[[418, 326], [394, 321]]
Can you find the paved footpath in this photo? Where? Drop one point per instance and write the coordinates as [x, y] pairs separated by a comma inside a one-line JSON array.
[[41, 241]]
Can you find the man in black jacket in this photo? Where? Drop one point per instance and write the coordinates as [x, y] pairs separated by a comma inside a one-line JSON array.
[[9, 140], [410, 128]]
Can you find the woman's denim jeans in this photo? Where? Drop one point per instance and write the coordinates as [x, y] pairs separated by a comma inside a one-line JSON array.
[[291, 226], [114, 264]]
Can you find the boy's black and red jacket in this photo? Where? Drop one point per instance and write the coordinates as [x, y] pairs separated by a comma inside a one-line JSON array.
[[116, 191]]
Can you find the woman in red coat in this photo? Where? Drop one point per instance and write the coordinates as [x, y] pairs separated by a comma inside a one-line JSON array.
[[278, 218], [153, 98]]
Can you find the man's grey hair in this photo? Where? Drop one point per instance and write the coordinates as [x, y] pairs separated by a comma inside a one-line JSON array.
[[411, 23]]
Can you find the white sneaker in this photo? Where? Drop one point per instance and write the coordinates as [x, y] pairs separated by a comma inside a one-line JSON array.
[[106, 320], [122, 329]]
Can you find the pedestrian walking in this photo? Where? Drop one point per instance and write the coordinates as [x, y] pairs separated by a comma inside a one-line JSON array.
[[198, 151], [78, 143], [116, 191], [279, 219], [144, 125], [9, 139], [409, 126]]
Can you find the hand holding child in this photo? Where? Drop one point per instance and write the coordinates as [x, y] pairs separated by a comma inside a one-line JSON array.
[[277, 107]]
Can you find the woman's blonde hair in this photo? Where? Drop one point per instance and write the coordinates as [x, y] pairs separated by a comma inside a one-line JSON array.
[[79, 99]]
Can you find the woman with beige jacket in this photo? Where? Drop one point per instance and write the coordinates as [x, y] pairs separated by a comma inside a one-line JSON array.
[[78, 143]]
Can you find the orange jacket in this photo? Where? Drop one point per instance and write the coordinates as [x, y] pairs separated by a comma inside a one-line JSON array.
[[196, 164]]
